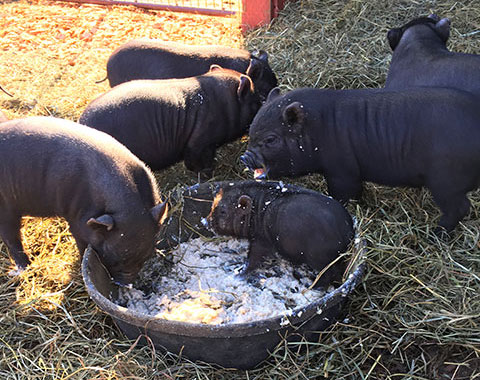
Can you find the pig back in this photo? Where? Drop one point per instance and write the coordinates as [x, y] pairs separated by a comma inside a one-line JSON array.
[[445, 69], [291, 216], [57, 167], [153, 118], [312, 223], [154, 59]]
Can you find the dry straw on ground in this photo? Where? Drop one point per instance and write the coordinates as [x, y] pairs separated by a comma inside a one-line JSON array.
[[416, 316]]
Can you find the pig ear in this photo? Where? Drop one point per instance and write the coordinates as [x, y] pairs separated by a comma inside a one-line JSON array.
[[159, 212], [274, 93], [393, 37], [263, 56], [293, 114], [245, 204], [254, 69], [215, 67], [443, 28], [245, 86], [434, 17], [103, 221]]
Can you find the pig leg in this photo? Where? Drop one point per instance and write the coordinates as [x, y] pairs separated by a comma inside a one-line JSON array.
[[256, 254], [454, 208], [81, 244], [200, 160], [344, 188], [10, 234]]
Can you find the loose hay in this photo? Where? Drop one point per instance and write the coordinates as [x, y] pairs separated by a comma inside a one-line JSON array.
[[52, 53], [416, 315]]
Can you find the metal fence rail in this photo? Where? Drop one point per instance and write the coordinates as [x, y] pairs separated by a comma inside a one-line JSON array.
[[209, 7]]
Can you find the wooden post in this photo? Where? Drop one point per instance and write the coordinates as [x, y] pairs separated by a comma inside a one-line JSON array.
[[256, 13]]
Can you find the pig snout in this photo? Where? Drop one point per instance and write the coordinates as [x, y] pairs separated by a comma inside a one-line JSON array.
[[247, 160], [250, 161], [127, 272], [124, 278]]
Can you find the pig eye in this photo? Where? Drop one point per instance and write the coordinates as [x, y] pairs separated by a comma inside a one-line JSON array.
[[269, 140]]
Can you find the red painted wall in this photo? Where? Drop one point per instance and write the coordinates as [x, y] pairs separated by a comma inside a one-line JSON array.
[[259, 12]]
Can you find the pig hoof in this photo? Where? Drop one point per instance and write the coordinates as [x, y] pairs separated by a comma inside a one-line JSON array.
[[244, 275], [442, 234], [254, 280], [232, 266]]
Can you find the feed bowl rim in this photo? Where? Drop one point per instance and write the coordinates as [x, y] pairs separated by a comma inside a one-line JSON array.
[[260, 326]]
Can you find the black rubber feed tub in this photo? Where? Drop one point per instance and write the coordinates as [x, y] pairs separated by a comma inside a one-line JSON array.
[[241, 346]]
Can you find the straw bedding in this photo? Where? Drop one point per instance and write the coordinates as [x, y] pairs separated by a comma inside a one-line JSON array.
[[416, 315]]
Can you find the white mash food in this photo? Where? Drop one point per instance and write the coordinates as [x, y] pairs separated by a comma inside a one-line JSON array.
[[199, 283]]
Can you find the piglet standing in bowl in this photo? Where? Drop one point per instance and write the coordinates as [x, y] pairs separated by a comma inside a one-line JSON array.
[[303, 226]]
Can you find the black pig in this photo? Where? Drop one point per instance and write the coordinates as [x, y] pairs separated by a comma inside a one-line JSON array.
[[303, 226], [155, 59], [54, 167], [165, 121], [421, 58], [418, 137]]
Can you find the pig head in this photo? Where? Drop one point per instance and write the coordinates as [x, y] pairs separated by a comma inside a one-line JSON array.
[[279, 143], [231, 215]]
